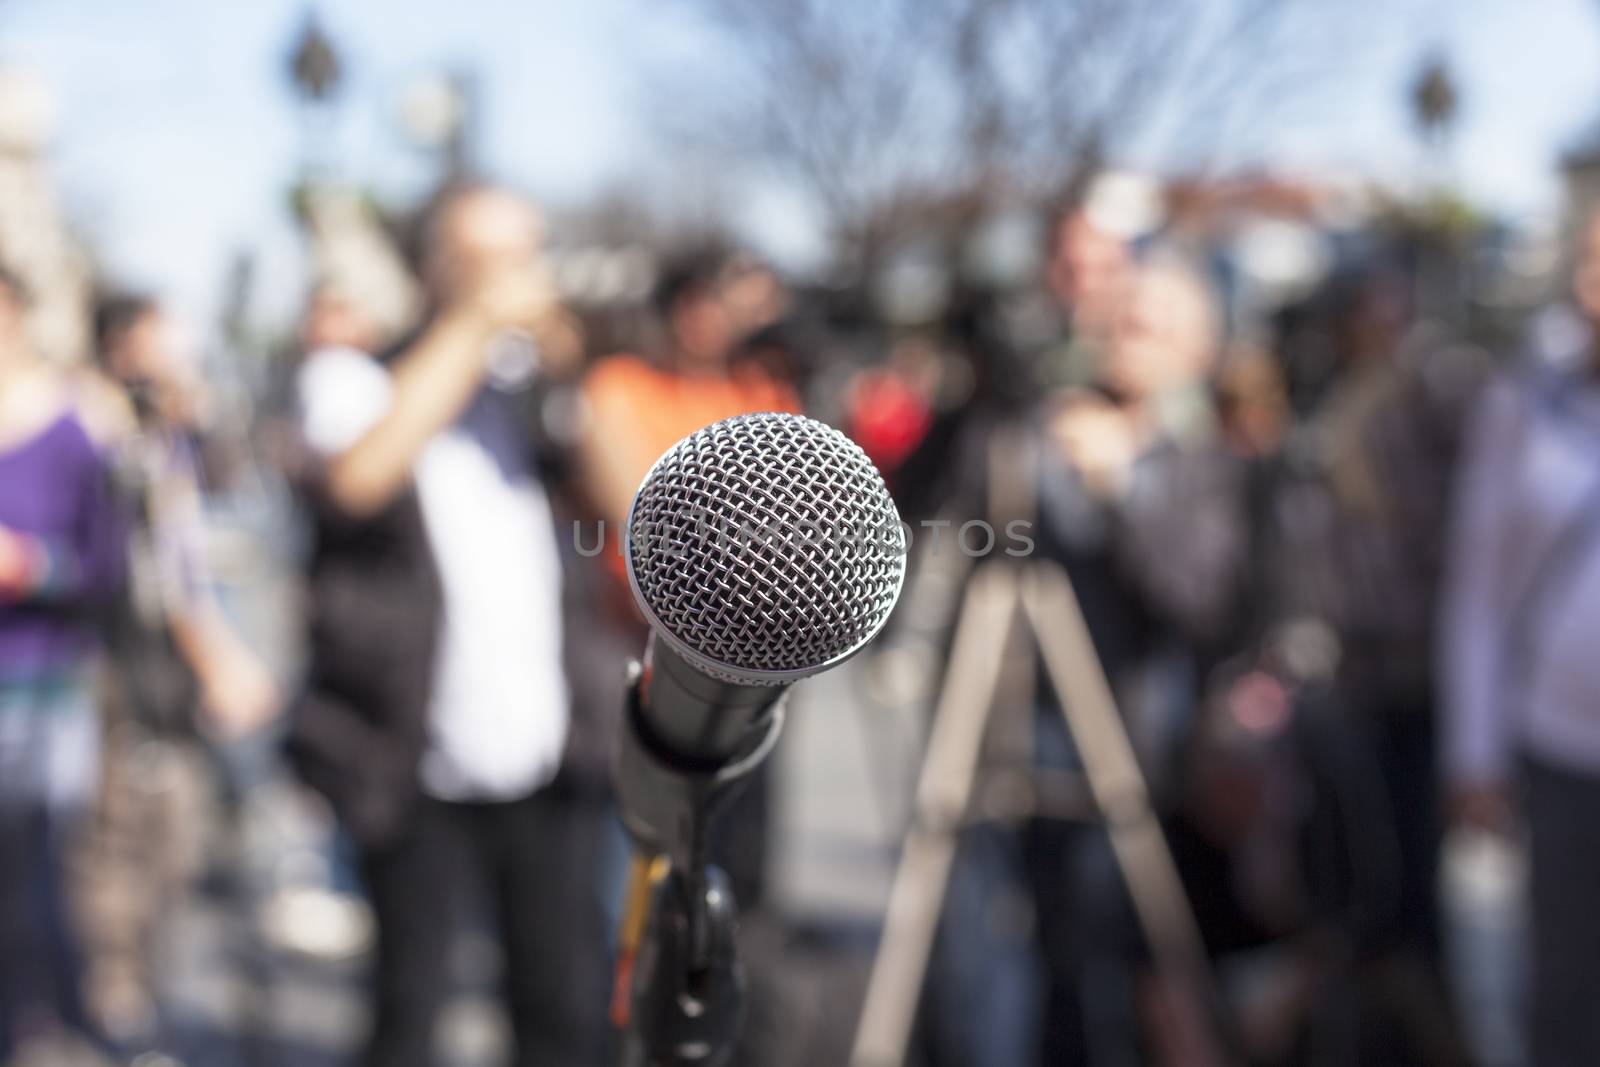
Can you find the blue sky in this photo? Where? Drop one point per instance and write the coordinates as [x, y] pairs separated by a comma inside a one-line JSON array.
[[177, 135]]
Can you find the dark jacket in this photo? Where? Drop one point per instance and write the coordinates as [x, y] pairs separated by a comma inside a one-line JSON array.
[[374, 606]]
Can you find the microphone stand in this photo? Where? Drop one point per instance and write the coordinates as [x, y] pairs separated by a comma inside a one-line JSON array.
[[681, 985]]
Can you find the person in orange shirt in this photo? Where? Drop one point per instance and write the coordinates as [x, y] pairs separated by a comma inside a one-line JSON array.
[[638, 407]]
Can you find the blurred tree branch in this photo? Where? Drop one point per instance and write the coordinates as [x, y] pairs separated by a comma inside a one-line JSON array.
[[894, 114]]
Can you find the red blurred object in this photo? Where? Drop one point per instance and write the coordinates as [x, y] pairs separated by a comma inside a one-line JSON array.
[[888, 417]]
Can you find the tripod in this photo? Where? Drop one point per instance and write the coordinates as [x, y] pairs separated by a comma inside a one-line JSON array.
[[1000, 594]]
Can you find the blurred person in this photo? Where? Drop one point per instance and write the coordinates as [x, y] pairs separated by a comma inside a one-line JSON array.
[[640, 406], [754, 294], [1143, 445], [1518, 670], [1139, 503], [1252, 404], [60, 568], [1142, 504], [441, 716], [161, 468], [710, 368], [183, 678], [1087, 272], [1358, 510], [1345, 512], [997, 355], [1332, 897], [1150, 382]]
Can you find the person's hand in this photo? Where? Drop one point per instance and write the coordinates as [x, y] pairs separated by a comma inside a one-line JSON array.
[[1484, 805], [238, 694], [1099, 440], [510, 298], [19, 564]]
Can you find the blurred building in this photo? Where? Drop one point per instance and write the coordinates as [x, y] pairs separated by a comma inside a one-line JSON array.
[[34, 241]]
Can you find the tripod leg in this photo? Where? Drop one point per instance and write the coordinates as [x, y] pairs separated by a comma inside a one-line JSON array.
[[943, 793], [1118, 788]]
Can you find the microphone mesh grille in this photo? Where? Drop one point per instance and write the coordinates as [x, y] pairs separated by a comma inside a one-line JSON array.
[[766, 543]]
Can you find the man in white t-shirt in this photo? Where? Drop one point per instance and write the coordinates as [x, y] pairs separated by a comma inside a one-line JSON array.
[[437, 707]]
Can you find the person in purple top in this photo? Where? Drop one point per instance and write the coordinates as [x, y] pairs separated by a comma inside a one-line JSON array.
[[61, 555]]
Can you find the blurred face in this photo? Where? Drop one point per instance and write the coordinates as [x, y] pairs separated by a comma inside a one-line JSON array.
[[755, 297], [1586, 274], [1088, 270], [1164, 336], [145, 350], [1252, 404], [703, 330], [1378, 323], [481, 234]]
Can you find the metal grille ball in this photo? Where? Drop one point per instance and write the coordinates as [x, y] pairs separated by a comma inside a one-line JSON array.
[[768, 544]]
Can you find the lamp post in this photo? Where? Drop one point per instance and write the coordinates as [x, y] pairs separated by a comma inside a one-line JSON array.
[[316, 74]]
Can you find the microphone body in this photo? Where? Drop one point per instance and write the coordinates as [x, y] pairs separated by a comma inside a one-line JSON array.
[[686, 746], [700, 720], [761, 549]]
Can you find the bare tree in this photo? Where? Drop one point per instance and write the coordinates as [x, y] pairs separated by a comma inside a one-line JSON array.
[[893, 113]]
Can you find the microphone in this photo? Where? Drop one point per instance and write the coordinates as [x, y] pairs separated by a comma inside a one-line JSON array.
[[761, 549]]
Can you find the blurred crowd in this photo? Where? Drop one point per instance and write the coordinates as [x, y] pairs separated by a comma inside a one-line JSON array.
[[1332, 554]]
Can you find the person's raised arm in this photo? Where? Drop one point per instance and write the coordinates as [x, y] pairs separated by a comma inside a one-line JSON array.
[[433, 382]]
